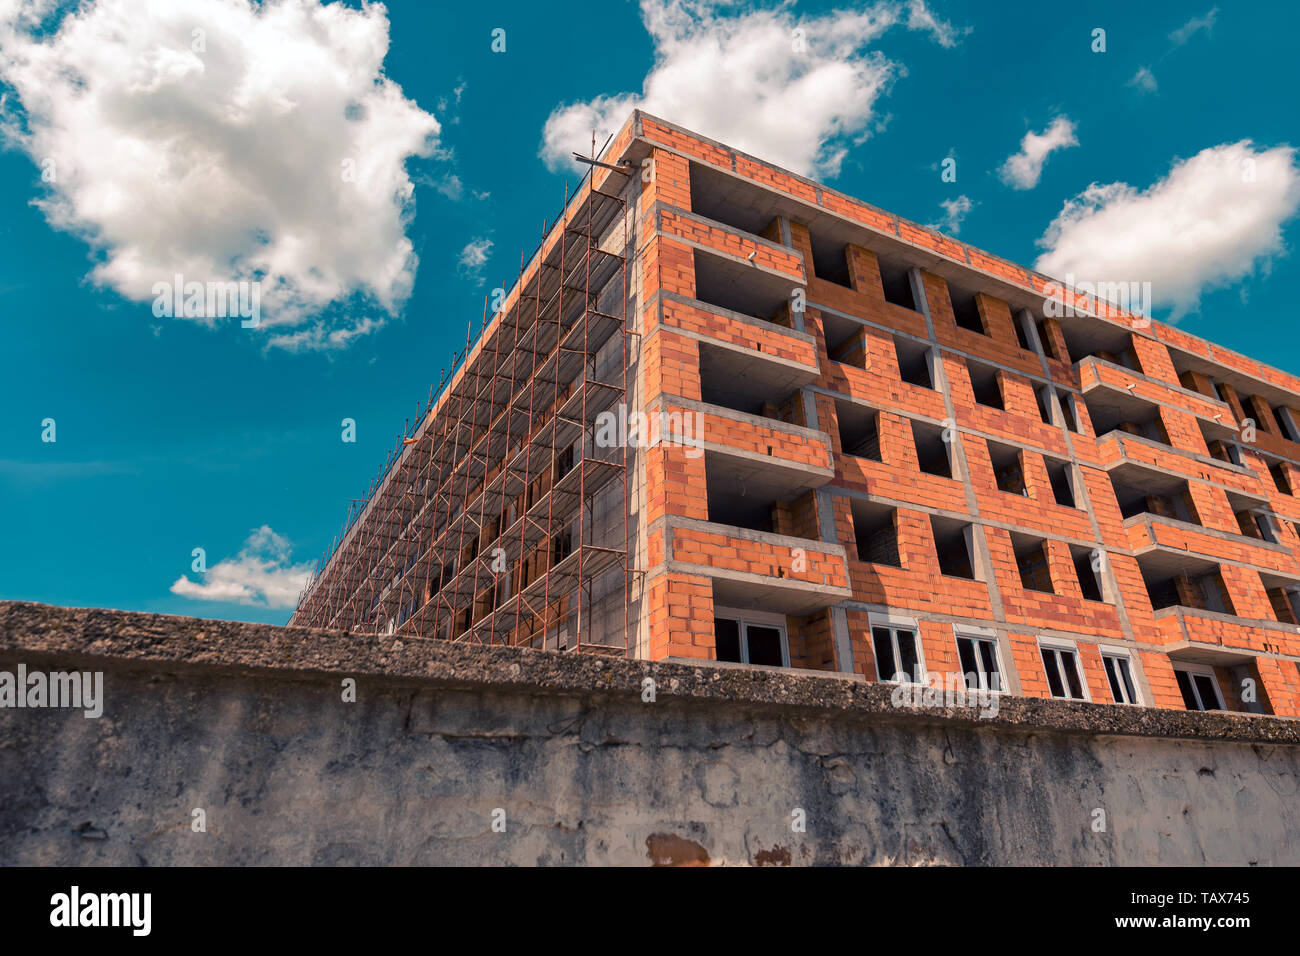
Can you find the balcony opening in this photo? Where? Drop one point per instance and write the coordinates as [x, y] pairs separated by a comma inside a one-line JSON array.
[[1018, 321], [1202, 590], [1044, 404], [1088, 564], [897, 283], [830, 261], [953, 544], [1132, 416], [1280, 477], [859, 430], [1062, 477], [913, 362], [875, 527], [966, 310], [986, 384], [731, 380], [1031, 560], [1172, 499], [931, 449], [1231, 454], [1256, 524], [1101, 340], [1008, 469]]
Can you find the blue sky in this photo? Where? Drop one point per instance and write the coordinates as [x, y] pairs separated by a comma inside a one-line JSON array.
[[174, 434]]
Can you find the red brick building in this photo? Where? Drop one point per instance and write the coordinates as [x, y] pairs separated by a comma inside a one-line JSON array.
[[867, 448]]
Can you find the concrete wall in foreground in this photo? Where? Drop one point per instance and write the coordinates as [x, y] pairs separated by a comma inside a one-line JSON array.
[[247, 723]]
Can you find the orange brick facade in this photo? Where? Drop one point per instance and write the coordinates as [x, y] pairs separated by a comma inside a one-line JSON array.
[[1176, 425]]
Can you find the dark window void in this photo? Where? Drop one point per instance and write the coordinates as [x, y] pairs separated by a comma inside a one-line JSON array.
[[1049, 348], [1200, 692], [1173, 500], [1059, 474], [1022, 337], [1044, 404], [1088, 564], [876, 530], [859, 430], [952, 543], [1280, 478], [1031, 560], [897, 283], [1067, 413], [764, 645], [1284, 426], [830, 261], [913, 362], [931, 449], [1008, 469], [966, 310], [986, 385]]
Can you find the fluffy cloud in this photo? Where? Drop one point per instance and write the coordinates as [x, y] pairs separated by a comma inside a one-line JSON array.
[[1144, 80], [1213, 220], [223, 140], [260, 575], [794, 90], [1022, 170], [474, 257], [954, 213]]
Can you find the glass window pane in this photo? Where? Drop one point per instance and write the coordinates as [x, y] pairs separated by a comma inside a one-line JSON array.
[[1128, 680], [764, 645], [1209, 699], [1185, 686], [966, 651], [885, 665], [726, 635], [1116, 692], [907, 655], [1053, 676], [1071, 668], [988, 654]]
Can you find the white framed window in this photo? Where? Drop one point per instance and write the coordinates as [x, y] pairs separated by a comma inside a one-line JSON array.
[[1118, 664], [750, 637], [896, 642], [1199, 687], [1061, 664], [981, 659]]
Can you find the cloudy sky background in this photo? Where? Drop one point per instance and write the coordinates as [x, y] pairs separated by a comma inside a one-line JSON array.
[[381, 169]]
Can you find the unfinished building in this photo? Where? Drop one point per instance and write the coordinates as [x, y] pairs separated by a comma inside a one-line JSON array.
[[729, 414]]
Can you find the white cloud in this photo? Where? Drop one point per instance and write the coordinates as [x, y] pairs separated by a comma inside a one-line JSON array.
[[1194, 26], [1144, 80], [474, 257], [954, 213], [1213, 220], [1022, 170], [795, 90], [260, 575], [224, 140]]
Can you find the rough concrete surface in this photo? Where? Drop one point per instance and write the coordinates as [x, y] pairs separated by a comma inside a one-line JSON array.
[[247, 723]]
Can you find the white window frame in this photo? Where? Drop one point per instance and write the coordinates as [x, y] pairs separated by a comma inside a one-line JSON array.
[[762, 619], [895, 623], [982, 634], [1122, 654], [1205, 670], [1056, 645]]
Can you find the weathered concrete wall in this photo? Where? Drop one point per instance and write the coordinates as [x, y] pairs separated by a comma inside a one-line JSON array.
[[248, 723]]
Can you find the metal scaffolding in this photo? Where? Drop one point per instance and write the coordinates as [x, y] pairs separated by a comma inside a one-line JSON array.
[[484, 524]]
